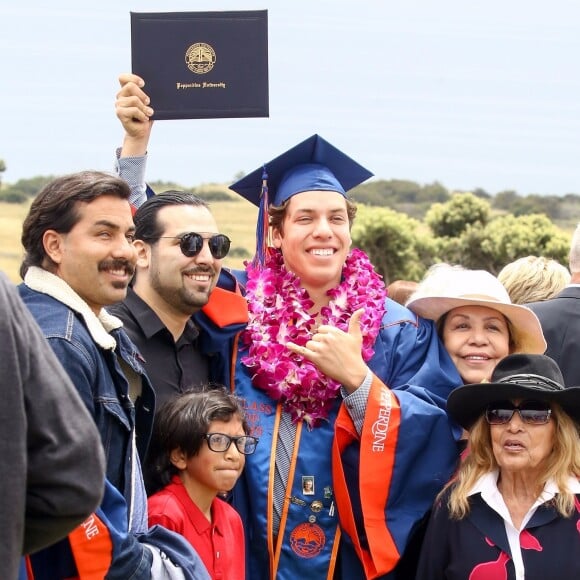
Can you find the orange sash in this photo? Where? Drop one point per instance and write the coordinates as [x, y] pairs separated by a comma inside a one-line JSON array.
[[225, 307], [92, 549], [378, 445]]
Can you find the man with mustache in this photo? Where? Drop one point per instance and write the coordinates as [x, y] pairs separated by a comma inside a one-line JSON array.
[[78, 238]]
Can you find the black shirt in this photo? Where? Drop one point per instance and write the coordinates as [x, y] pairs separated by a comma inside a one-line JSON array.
[[172, 367]]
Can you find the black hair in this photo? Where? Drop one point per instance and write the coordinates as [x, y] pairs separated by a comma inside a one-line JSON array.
[[147, 227], [56, 207], [181, 423]]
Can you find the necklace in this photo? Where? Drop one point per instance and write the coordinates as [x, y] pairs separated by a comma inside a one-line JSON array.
[[279, 312]]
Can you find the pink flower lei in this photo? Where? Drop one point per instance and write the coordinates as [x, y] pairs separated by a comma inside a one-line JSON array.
[[279, 313]]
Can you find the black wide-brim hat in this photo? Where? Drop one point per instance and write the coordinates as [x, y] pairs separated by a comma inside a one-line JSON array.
[[517, 376]]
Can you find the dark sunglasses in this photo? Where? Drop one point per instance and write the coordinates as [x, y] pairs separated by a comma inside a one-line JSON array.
[[220, 442], [531, 412], [192, 243]]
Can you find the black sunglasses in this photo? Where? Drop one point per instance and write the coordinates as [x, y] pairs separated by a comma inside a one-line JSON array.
[[220, 442], [531, 412], [192, 243]]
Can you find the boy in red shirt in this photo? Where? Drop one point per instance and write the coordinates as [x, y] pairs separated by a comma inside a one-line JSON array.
[[200, 443]]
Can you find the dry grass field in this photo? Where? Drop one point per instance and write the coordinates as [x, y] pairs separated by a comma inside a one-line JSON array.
[[236, 219], [11, 218]]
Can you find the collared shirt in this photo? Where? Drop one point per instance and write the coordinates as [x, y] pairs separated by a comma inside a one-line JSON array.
[[132, 169], [219, 543], [172, 367], [356, 402], [487, 487]]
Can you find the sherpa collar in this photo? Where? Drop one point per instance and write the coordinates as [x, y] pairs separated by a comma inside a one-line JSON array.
[[99, 327]]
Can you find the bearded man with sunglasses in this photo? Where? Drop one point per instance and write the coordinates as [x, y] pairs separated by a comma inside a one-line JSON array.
[[179, 258]]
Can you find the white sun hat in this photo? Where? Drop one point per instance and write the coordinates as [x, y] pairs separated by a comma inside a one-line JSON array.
[[450, 287]]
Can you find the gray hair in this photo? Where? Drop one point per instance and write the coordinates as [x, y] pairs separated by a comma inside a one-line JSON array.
[[575, 251]]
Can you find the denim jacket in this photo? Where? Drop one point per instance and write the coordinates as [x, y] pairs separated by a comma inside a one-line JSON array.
[[90, 355], [92, 350]]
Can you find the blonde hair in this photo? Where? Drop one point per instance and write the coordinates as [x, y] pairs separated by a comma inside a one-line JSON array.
[[563, 462], [533, 279]]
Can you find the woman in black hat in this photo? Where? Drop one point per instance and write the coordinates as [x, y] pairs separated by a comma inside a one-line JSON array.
[[513, 509]]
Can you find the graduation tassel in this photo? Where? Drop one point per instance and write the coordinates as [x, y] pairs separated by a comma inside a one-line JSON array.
[[263, 225]]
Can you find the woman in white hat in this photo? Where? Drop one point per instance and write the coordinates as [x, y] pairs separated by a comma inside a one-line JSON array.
[[513, 509], [475, 319]]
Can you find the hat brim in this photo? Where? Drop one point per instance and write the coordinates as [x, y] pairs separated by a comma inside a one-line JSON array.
[[527, 331], [468, 402]]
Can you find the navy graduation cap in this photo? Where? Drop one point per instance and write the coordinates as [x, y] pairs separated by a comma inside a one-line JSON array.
[[312, 165]]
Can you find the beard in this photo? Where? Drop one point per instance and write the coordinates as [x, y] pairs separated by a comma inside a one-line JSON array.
[[180, 298]]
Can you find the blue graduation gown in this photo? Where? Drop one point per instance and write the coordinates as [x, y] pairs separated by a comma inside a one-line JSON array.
[[370, 497]]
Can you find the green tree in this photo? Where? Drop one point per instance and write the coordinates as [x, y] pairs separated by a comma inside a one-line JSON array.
[[450, 219], [505, 199], [160, 186], [547, 204], [385, 193], [211, 194], [12, 195], [471, 249], [2, 170], [33, 185], [515, 237], [398, 246], [504, 239], [481, 193], [402, 195], [432, 193]]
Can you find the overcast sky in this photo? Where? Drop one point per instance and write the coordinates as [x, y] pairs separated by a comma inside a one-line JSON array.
[[470, 94]]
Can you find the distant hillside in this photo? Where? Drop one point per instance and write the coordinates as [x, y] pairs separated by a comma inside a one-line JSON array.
[[414, 199], [401, 195], [237, 217]]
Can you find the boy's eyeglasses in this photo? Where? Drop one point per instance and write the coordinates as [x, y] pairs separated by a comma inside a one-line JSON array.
[[531, 412], [191, 244], [220, 442]]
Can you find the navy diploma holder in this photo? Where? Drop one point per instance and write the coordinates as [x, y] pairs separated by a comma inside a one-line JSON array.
[[199, 65]]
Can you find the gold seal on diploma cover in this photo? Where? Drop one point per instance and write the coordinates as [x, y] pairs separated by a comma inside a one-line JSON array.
[[200, 58]]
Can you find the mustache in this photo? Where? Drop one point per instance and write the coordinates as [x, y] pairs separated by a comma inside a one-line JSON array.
[[201, 270], [107, 265]]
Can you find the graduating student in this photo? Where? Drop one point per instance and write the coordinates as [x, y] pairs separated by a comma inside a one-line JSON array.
[[339, 382], [344, 385]]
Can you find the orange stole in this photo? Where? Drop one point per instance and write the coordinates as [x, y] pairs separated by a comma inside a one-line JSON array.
[[92, 548], [226, 307], [378, 444]]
